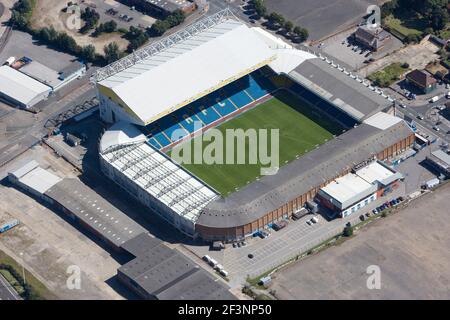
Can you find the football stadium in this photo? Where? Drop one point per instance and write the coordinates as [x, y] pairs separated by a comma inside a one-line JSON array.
[[220, 73]]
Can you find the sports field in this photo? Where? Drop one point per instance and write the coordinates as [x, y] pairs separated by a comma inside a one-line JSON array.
[[301, 129]]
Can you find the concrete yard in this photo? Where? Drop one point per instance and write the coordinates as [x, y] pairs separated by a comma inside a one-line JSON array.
[[410, 247], [47, 244]]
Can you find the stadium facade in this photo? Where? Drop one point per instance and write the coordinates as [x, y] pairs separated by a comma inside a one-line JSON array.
[[212, 71]]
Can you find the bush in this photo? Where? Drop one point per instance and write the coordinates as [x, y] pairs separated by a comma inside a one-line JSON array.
[[107, 27], [348, 231], [161, 26], [29, 293], [90, 17]]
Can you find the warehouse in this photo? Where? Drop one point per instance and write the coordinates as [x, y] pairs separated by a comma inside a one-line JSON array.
[[356, 190], [21, 90], [440, 161], [154, 271], [159, 272]]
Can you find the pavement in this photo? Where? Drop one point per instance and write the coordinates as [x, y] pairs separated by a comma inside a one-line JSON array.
[[283, 245], [7, 292], [410, 249]]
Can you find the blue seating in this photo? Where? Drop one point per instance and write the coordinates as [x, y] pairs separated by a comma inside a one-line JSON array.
[[221, 104], [163, 141], [240, 98], [154, 143], [187, 119], [205, 112], [208, 109]]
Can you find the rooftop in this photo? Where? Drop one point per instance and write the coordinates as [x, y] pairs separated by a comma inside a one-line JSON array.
[[377, 172], [167, 274], [94, 210], [300, 176], [349, 189], [187, 70], [351, 95], [19, 86]]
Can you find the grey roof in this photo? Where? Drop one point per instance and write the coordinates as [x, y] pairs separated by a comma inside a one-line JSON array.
[[169, 5], [442, 158], [349, 95], [95, 211], [166, 274], [71, 69], [300, 176]]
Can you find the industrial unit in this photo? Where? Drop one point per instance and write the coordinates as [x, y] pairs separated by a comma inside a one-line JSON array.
[[20, 90], [154, 270], [357, 189]]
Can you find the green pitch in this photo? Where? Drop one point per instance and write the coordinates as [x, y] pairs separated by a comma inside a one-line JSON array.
[[301, 129]]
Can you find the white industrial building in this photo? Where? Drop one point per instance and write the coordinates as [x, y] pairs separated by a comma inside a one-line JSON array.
[[357, 189], [21, 90]]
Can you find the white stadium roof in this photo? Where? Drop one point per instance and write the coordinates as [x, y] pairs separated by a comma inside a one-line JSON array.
[[155, 173], [185, 71], [20, 87]]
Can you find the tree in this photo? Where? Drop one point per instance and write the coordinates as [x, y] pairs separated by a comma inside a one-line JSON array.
[[260, 8], [112, 52], [288, 26], [302, 34], [88, 52], [276, 19], [439, 19], [108, 27], [159, 28], [175, 18], [348, 231], [90, 17]]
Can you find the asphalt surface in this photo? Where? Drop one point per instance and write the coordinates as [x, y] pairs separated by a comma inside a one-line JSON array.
[[321, 17], [6, 291]]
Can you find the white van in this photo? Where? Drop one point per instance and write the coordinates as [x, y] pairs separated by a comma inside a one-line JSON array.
[[212, 262], [434, 99], [448, 95], [223, 272]]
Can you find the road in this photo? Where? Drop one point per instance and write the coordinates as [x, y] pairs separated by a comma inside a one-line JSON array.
[[6, 291], [426, 123]]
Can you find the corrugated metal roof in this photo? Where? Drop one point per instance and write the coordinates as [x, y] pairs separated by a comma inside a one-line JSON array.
[[19, 86]]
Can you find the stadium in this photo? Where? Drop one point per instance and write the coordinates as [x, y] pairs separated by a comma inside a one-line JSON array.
[[223, 74]]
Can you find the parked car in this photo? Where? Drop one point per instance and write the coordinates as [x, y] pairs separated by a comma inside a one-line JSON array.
[[309, 222], [400, 198], [436, 128], [420, 117], [374, 211], [362, 218]]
